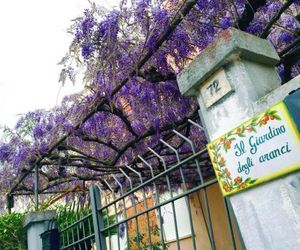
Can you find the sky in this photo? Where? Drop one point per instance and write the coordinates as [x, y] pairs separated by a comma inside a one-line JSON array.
[[33, 39]]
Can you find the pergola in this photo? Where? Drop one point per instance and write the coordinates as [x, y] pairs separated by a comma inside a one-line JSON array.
[[73, 157]]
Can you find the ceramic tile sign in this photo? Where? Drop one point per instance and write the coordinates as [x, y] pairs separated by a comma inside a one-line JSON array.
[[263, 148]]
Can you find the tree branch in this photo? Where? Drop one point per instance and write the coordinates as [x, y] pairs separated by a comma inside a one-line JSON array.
[[152, 75], [288, 61], [118, 112], [289, 47], [151, 131], [247, 16], [266, 30], [95, 139]]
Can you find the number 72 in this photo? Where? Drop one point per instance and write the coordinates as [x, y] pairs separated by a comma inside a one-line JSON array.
[[214, 87]]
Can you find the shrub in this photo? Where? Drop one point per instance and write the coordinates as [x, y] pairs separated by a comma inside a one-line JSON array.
[[12, 233]]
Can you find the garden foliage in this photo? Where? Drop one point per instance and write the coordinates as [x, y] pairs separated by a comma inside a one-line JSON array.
[[12, 233]]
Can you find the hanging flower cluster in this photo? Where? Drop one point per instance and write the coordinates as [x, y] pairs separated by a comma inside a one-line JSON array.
[[131, 100]]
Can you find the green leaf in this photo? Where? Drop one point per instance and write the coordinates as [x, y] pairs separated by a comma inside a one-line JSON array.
[[254, 121], [277, 117], [222, 165], [272, 112], [224, 183], [248, 180]]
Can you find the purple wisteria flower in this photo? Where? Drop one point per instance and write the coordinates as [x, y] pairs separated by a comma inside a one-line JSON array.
[[4, 152], [122, 229], [87, 50], [130, 103], [226, 22]]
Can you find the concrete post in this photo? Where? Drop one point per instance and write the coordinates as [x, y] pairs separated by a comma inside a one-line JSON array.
[[37, 223], [234, 79]]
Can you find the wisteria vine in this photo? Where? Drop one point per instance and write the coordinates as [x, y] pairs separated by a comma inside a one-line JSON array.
[[130, 57]]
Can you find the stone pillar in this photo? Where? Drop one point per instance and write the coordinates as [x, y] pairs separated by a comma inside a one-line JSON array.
[[37, 223], [235, 78]]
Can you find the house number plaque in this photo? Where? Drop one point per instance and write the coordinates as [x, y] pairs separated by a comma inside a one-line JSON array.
[[215, 88]]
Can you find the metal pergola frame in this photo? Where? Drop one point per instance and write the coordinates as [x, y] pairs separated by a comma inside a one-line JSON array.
[[185, 8], [182, 12]]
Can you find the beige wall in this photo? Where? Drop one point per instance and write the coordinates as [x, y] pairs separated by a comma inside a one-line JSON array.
[[218, 217], [185, 244]]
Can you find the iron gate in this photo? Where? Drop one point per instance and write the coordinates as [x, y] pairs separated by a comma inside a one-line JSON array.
[[178, 207]]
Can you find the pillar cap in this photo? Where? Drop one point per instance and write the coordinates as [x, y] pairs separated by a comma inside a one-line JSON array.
[[39, 216], [228, 46]]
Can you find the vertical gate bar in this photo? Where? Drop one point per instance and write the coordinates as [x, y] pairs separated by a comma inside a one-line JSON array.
[[79, 245], [73, 240], [36, 187], [136, 222], [161, 226], [83, 229], [171, 194], [97, 217], [90, 230], [185, 189], [68, 241], [175, 221], [189, 210], [63, 239], [78, 234], [84, 234], [204, 218], [116, 211], [209, 223], [124, 205], [127, 227], [108, 223], [229, 223], [157, 202], [134, 206], [198, 169], [187, 198], [107, 217], [193, 150], [208, 227], [145, 204], [211, 232], [117, 221], [89, 226]]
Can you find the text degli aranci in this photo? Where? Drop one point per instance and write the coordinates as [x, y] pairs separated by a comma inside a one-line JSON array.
[[254, 143]]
